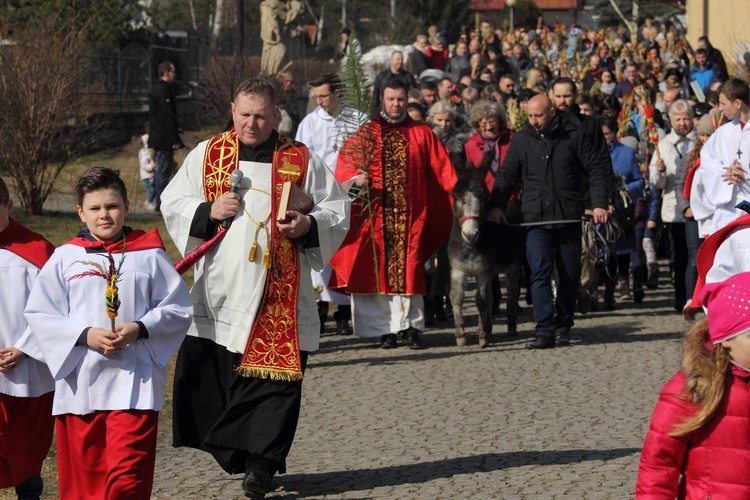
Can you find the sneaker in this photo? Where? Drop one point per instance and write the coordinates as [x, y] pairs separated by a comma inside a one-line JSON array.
[[562, 335], [389, 341], [541, 342], [624, 291]]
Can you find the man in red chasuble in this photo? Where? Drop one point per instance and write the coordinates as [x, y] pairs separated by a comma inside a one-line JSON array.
[[401, 213]]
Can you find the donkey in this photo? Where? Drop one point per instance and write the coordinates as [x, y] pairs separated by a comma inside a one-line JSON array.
[[481, 249]]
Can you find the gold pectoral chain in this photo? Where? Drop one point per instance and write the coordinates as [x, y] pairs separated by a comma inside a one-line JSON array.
[[253, 253]]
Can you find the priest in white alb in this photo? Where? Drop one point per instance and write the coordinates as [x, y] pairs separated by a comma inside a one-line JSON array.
[[238, 379]]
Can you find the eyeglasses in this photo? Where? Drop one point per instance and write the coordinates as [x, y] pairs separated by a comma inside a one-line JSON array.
[[321, 97]]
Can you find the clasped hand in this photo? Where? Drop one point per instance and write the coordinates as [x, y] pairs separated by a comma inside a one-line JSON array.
[[9, 358], [108, 342], [734, 174]]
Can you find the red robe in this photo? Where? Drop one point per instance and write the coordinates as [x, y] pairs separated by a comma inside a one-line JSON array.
[[410, 181], [25, 423]]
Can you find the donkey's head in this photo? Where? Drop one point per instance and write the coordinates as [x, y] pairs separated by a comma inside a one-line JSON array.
[[470, 196]]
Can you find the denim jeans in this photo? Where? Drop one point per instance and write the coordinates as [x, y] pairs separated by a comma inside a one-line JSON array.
[[546, 248], [149, 184], [164, 167]]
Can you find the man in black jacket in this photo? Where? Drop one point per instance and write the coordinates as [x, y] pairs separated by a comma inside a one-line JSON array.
[[564, 93], [163, 136], [395, 70], [549, 156]]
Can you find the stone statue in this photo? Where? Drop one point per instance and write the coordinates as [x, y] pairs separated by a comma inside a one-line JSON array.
[[275, 18]]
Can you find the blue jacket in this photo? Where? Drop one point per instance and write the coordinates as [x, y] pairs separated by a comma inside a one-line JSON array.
[[625, 166], [705, 77]]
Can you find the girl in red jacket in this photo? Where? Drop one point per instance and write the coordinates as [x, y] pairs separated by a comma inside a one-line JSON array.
[[698, 443]]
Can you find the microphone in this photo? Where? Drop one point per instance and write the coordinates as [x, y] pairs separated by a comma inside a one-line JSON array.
[[234, 186]]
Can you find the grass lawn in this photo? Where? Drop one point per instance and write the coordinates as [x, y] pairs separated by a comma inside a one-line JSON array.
[[63, 224]]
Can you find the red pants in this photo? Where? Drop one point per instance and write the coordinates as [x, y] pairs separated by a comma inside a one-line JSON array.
[[25, 436], [107, 454]]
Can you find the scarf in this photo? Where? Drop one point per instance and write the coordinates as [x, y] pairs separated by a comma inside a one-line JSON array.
[[490, 144]]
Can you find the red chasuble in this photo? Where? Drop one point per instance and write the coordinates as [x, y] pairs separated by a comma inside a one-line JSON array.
[[272, 351], [403, 214]]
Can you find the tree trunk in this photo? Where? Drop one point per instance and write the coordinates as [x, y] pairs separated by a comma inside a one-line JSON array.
[[218, 23]]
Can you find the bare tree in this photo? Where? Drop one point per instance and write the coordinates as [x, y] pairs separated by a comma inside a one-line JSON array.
[[46, 111]]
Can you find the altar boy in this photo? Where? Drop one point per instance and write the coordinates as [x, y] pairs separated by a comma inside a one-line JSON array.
[[26, 385], [107, 312]]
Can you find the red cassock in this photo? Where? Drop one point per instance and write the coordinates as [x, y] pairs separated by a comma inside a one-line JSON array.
[[25, 436], [403, 214]]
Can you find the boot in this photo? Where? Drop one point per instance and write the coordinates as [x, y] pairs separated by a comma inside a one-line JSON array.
[[609, 295], [652, 281], [322, 314], [342, 317], [429, 312]]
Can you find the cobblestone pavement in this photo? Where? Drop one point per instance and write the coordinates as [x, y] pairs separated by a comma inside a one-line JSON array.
[[446, 422]]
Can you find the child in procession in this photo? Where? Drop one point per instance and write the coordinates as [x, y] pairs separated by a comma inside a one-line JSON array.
[[108, 311], [26, 385], [698, 444]]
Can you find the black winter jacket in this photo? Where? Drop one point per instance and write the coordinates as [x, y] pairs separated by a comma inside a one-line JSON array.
[[162, 115], [550, 168]]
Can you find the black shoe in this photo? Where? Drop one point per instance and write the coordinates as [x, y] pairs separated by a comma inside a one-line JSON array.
[[562, 335], [257, 483], [609, 303], [638, 295], [411, 337], [541, 342], [342, 324], [389, 341]]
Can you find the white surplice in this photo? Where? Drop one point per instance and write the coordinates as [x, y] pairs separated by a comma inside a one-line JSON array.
[[30, 377], [324, 135], [58, 311], [730, 142], [228, 287]]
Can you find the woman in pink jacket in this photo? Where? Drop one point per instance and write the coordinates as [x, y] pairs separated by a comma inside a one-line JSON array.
[[698, 443]]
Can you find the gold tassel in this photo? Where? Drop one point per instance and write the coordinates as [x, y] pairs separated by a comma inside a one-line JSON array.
[[267, 259], [253, 252]]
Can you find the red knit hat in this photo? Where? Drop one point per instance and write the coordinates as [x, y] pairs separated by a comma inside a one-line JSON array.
[[728, 307]]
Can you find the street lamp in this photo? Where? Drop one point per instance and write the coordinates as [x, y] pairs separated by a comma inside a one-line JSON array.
[[511, 4]]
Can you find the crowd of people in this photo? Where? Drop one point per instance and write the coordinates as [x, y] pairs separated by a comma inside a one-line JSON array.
[[641, 96], [606, 146]]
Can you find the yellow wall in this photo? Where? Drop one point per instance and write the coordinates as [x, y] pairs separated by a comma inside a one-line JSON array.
[[727, 25]]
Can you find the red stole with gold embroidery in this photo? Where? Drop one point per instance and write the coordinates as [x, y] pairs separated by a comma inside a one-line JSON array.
[[272, 350]]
